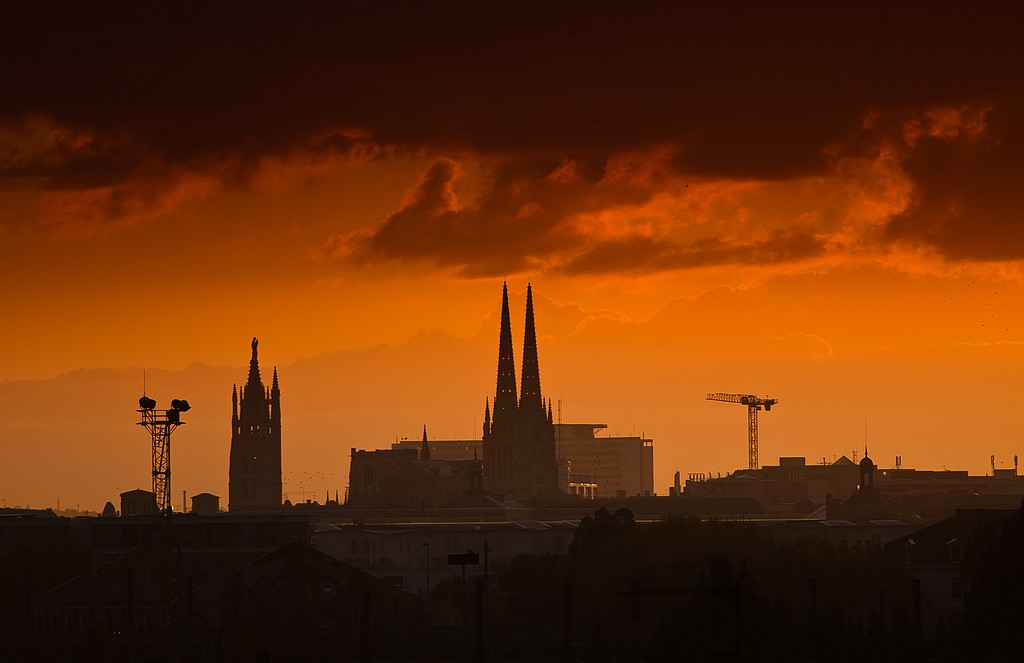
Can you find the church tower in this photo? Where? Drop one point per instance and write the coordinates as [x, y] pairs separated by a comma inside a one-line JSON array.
[[519, 436], [254, 474]]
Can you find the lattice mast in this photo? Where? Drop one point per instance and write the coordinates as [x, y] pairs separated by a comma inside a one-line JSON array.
[[160, 424], [754, 404]]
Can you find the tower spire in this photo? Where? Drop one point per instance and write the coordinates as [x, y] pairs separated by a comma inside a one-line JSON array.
[[530, 401], [424, 447], [254, 366], [506, 402]]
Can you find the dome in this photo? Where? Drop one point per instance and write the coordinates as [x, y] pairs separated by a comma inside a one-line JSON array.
[[866, 465]]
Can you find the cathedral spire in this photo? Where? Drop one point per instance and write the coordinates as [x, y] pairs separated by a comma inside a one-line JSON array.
[[487, 416], [254, 366], [530, 401], [505, 400], [424, 447]]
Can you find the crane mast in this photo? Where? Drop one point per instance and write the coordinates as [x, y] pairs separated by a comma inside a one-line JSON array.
[[754, 404]]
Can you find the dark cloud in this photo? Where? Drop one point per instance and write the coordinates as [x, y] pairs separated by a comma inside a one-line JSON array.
[[748, 91], [518, 223], [527, 222], [648, 255], [967, 192], [178, 91]]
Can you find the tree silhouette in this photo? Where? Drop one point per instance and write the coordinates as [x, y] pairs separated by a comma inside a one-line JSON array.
[[595, 533], [994, 583]]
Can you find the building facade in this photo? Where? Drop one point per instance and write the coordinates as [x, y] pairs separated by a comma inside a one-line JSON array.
[[254, 475], [617, 466]]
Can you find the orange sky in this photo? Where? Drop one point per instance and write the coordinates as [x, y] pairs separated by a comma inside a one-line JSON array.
[[819, 207]]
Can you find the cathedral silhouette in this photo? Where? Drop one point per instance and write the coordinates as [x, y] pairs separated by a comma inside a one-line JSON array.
[[254, 474], [519, 438], [518, 445]]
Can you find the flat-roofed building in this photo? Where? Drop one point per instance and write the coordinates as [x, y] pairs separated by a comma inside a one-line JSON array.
[[618, 466], [138, 502]]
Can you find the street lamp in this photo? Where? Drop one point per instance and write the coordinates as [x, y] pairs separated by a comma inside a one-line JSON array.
[[427, 546], [462, 559]]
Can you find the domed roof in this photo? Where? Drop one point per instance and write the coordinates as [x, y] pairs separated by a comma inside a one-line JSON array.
[[866, 464]]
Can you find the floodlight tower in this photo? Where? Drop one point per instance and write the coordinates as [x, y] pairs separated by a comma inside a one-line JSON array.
[[160, 424]]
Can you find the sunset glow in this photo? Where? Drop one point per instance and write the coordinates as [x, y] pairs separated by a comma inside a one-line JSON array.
[[789, 201]]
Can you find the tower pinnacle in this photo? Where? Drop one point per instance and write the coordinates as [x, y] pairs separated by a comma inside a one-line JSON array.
[[506, 402], [530, 401], [254, 365]]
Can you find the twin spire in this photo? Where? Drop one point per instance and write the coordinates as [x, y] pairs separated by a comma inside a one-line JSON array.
[[506, 402], [528, 404], [529, 393]]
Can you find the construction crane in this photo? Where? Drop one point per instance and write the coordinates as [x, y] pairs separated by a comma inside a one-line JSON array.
[[753, 404]]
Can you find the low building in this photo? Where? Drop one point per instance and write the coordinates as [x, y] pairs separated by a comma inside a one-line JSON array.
[[404, 477], [205, 504], [935, 557], [898, 492], [138, 502]]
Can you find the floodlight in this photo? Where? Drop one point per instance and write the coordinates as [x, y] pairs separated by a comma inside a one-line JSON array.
[[173, 416], [181, 405], [147, 403]]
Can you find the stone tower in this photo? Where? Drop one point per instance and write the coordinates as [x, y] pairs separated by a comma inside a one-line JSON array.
[[254, 475], [518, 436]]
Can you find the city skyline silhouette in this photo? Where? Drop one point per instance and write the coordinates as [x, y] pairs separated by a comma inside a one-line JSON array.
[[839, 232], [442, 293]]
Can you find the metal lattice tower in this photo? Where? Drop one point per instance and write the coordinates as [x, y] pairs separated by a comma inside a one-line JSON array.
[[160, 424], [754, 404]]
